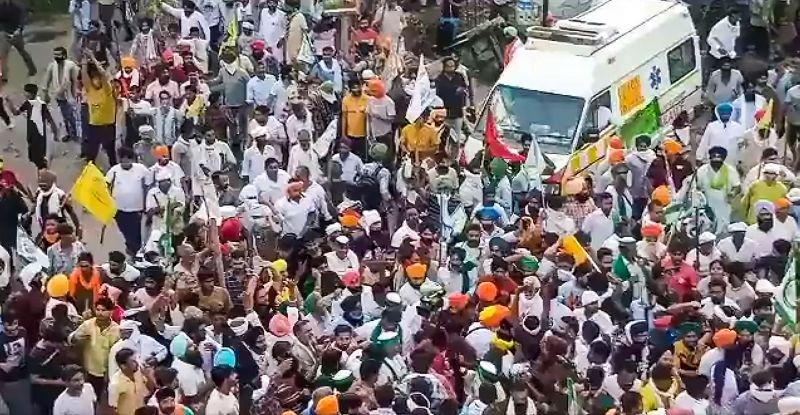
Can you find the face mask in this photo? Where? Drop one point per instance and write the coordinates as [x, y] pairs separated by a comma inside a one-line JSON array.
[[765, 224]]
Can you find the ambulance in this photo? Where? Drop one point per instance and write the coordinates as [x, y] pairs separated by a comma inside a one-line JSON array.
[[620, 61]]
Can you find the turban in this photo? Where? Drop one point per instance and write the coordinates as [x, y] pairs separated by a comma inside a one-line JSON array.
[[225, 357], [231, 230], [387, 338], [764, 205], [498, 167], [416, 271], [662, 195], [458, 301], [529, 264], [128, 62], [782, 203], [279, 325], [616, 156], [310, 303], [280, 265], [239, 326], [672, 147], [788, 405], [488, 371], [58, 286], [492, 316], [504, 345], [689, 327], [724, 338], [510, 31], [724, 109], [258, 44], [351, 279], [616, 143], [376, 88], [488, 213], [328, 405], [747, 325], [349, 220], [487, 291], [161, 151], [378, 151], [179, 344], [651, 230], [574, 186], [717, 151]]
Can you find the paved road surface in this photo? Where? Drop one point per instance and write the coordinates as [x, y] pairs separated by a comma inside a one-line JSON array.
[[43, 36]]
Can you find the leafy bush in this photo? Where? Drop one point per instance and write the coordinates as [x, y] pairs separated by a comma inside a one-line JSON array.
[[45, 7]]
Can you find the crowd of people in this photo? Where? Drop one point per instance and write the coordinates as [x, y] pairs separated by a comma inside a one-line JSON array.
[[303, 235]]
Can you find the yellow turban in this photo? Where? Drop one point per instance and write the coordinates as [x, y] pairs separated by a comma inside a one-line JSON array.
[[58, 286], [328, 405], [416, 271], [492, 316], [280, 265], [128, 62]]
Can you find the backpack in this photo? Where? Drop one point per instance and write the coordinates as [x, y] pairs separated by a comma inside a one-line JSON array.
[[369, 188]]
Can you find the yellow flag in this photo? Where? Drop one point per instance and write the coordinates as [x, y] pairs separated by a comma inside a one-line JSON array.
[[233, 33], [574, 248], [91, 191], [766, 120]]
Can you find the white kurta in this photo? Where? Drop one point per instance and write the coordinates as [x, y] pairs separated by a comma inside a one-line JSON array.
[[273, 29], [717, 199], [156, 199]]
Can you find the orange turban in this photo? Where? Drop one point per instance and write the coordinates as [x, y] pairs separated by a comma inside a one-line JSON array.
[[725, 338], [782, 203], [458, 301], [492, 316], [651, 230], [671, 147], [661, 195], [487, 291], [161, 151], [328, 405], [349, 221], [416, 271], [376, 88], [616, 156], [128, 62], [616, 142]]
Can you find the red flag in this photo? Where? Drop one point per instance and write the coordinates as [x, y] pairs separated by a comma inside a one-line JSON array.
[[496, 147]]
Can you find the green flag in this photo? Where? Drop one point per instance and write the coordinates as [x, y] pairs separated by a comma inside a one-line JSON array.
[[620, 268], [785, 299]]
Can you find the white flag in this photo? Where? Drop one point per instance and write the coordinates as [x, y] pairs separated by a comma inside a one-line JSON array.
[[423, 94]]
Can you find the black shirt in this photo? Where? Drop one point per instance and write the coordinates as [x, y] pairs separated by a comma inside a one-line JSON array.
[[11, 206], [12, 16], [12, 350], [452, 92]]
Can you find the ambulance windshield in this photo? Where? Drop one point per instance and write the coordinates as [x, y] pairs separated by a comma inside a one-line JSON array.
[[552, 118]]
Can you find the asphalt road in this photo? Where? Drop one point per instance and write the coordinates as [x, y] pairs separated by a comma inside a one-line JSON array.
[[42, 37]]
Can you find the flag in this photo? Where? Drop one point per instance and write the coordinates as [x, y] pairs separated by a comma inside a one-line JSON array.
[[496, 146], [28, 252], [573, 406], [233, 32], [422, 97], [765, 121], [785, 299], [620, 268], [91, 191], [574, 248]]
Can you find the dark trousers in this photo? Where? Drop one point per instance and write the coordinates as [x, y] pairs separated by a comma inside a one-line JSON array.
[[130, 225], [98, 384], [4, 113], [97, 135], [358, 145]]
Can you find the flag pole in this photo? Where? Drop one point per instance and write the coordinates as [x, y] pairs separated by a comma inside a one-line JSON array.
[[111, 192]]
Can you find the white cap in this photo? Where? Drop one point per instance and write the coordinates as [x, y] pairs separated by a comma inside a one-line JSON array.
[[627, 240], [367, 74], [707, 237], [393, 298], [589, 297], [341, 239], [772, 168], [793, 195], [146, 128], [737, 227], [488, 367], [333, 228], [342, 374], [248, 26], [764, 286], [227, 211], [779, 343], [129, 324]]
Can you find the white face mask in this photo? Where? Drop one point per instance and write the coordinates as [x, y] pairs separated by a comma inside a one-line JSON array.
[[764, 393]]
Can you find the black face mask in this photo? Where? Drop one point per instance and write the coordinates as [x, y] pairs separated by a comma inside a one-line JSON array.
[[194, 358], [582, 197], [765, 224], [60, 59]]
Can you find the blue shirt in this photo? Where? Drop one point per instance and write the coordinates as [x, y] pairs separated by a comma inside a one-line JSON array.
[[258, 90], [81, 12]]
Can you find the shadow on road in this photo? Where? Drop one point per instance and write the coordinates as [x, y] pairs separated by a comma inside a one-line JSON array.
[[41, 35]]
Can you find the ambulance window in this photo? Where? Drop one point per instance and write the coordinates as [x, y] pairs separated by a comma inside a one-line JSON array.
[[599, 115], [681, 60]]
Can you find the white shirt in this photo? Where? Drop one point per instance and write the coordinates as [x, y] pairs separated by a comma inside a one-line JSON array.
[[271, 191], [746, 253], [128, 186], [599, 227], [762, 239], [190, 378], [276, 134], [341, 266], [786, 230], [294, 125], [196, 19], [222, 404], [402, 233], [253, 160], [175, 172], [259, 90], [272, 26], [722, 35], [479, 337], [202, 89], [704, 260], [66, 404], [726, 135], [309, 158], [294, 215], [697, 406], [351, 166]]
